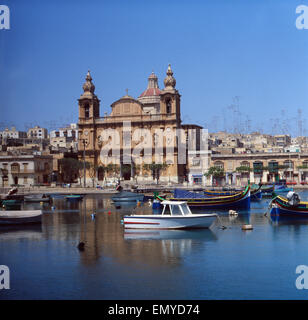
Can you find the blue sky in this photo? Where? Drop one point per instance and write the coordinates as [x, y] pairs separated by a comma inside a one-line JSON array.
[[218, 49]]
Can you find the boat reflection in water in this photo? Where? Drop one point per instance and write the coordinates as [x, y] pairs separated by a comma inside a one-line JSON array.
[[168, 246], [14, 232], [136, 234], [287, 220]]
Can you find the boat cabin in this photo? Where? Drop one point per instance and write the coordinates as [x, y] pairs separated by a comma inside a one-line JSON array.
[[176, 208]]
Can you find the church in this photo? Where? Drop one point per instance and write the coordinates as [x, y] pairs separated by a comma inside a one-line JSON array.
[[155, 110]]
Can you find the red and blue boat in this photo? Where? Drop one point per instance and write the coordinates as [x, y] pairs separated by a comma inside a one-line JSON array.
[[281, 206]]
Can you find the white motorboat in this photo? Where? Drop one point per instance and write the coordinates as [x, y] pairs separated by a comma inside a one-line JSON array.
[[179, 216], [11, 217]]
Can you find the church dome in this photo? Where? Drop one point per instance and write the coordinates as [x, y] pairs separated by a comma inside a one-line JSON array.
[[152, 89]]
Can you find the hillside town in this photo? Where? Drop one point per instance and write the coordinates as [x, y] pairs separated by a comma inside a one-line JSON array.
[[71, 155]]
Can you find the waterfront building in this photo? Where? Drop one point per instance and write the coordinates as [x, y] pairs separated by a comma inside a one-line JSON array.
[[37, 133], [282, 140], [262, 167], [65, 138], [25, 170], [12, 134], [155, 109]]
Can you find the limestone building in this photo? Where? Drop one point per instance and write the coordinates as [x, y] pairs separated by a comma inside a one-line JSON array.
[[155, 110]]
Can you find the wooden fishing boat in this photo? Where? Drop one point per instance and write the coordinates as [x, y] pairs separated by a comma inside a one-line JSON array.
[[217, 193], [20, 217], [12, 204], [126, 196], [267, 190], [197, 200], [179, 217], [74, 197], [255, 193], [37, 198], [282, 189], [282, 206]]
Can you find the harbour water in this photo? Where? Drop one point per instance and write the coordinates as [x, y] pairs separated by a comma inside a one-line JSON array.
[[45, 263]]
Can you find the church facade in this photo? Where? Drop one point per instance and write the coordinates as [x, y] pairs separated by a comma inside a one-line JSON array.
[[136, 131]]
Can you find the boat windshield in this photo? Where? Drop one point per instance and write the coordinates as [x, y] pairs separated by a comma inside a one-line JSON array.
[[185, 209], [175, 209]]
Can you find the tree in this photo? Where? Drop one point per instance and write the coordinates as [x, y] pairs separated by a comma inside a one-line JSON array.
[[109, 168], [93, 172], [81, 166], [155, 168], [70, 169], [215, 172], [243, 169]]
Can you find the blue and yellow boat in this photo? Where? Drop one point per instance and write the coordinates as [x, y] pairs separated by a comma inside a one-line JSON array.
[[281, 206], [240, 200], [255, 193]]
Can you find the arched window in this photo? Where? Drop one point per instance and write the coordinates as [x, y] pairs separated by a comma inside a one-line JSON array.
[[46, 166], [86, 110], [15, 167], [258, 167], [288, 164], [101, 173], [168, 105], [219, 165], [305, 164], [245, 164]]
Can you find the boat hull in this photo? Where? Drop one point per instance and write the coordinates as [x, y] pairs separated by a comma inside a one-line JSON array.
[[242, 202], [127, 197], [30, 199], [169, 222], [281, 207], [256, 196], [74, 198], [20, 217]]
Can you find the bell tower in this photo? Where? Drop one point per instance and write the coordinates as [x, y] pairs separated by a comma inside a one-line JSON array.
[[170, 99], [88, 102]]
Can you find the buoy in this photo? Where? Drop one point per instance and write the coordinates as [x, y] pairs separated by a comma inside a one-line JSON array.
[[150, 202], [109, 212], [247, 227], [81, 246], [223, 227], [93, 216], [233, 213]]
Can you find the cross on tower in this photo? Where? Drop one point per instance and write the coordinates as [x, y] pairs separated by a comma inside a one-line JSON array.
[[126, 91]]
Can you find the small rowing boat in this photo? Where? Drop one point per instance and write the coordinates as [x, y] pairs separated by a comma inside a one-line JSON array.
[[37, 198], [19, 217]]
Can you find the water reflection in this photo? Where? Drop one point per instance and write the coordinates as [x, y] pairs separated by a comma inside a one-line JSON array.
[[29, 232], [145, 263]]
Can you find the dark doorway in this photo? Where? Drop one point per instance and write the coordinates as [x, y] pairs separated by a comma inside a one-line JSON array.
[[126, 171]]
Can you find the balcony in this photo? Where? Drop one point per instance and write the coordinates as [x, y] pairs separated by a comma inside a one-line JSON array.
[[22, 171]]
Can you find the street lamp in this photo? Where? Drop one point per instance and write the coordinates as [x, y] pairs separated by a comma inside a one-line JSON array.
[[85, 143]]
